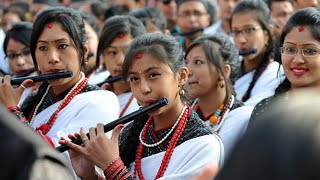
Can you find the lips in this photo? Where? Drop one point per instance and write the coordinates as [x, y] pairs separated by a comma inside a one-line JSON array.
[[298, 71], [148, 102], [54, 71]]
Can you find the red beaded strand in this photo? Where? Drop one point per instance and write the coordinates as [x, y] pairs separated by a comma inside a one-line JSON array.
[[167, 156], [45, 128]]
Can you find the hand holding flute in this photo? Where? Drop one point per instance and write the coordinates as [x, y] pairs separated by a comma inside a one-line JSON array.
[[100, 150]]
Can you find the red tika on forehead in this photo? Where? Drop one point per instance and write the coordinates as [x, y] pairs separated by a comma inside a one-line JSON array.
[[121, 35], [300, 29], [50, 25], [138, 56]]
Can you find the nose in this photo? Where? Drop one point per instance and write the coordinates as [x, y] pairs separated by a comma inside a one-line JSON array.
[[298, 58], [53, 56], [20, 61], [241, 39], [144, 86], [120, 59]]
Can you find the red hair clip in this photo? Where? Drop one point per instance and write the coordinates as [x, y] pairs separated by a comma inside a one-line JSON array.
[[300, 29], [121, 35], [50, 25], [138, 56]]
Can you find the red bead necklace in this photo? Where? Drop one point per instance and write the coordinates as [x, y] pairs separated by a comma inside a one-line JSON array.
[[172, 144], [45, 128]]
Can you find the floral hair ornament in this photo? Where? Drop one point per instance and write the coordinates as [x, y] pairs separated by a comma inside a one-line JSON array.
[[138, 56], [300, 29], [121, 35], [50, 25]]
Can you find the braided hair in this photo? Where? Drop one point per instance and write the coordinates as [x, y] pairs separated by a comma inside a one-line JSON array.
[[259, 9]]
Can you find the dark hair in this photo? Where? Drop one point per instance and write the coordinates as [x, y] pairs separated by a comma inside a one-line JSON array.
[[151, 16], [211, 9], [260, 10], [116, 10], [164, 48], [20, 32], [304, 17], [117, 25], [72, 23], [167, 50], [220, 51], [91, 20], [70, 20], [285, 141]]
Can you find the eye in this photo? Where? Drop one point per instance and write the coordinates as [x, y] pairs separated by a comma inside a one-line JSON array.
[[198, 61], [43, 48], [310, 51], [290, 50], [249, 30], [63, 46], [133, 79], [111, 53], [154, 75]]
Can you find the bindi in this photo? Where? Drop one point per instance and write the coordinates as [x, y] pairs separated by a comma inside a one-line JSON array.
[[50, 25], [300, 29], [121, 35]]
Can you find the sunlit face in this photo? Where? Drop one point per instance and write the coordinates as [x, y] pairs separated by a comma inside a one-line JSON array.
[[113, 56], [251, 34], [302, 71], [203, 75], [226, 7], [280, 12], [19, 57], [56, 52], [151, 79], [192, 15]]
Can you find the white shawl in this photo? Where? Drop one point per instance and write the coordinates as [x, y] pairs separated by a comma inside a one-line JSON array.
[[187, 160]]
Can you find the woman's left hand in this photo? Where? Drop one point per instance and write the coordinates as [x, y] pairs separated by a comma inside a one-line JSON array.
[[10, 96], [99, 149]]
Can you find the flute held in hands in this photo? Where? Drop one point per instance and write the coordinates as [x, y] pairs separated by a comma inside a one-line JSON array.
[[42, 77], [125, 119]]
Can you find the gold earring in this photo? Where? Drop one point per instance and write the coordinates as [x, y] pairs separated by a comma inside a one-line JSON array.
[[182, 93], [221, 84]]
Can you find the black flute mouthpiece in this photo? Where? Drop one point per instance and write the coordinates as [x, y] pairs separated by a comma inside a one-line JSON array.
[[247, 52], [110, 80], [42, 77], [125, 119]]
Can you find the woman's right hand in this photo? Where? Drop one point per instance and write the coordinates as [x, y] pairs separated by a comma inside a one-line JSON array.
[[10, 96]]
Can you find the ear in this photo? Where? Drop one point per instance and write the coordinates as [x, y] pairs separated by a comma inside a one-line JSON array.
[[86, 50], [227, 70], [183, 76]]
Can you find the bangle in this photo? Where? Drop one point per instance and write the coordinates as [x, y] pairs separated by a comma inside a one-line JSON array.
[[15, 107], [114, 165]]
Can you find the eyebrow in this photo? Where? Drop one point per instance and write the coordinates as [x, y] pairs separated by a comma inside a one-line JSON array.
[[307, 44], [145, 71], [46, 41], [23, 49]]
